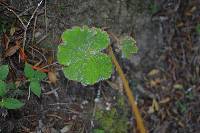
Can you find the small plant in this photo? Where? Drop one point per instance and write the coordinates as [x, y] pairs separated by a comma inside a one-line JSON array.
[[9, 103], [81, 55], [113, 121], [34, 77], [128, 47]]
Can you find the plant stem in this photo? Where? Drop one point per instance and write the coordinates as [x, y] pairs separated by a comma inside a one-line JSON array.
[[128, 92]]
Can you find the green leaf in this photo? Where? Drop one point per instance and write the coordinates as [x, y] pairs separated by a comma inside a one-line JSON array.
[[2, 88], [11, 103], [33, 74], [3, 72], [128, 47], [29, 72], [81, 53], [35, 87]]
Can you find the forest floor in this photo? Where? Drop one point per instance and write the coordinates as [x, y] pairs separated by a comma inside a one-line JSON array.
[[164, 74]]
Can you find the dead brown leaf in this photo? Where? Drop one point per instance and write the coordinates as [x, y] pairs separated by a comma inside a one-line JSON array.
[[153, 72], [154, 107], [12, 30], [163, 101], [12, 50], [52, 77], [5, 41], [155, 82]]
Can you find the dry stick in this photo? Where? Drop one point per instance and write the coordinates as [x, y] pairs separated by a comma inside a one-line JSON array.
[[128, 92], [26, 27], [45, 16], [34, 27], [38, 52]]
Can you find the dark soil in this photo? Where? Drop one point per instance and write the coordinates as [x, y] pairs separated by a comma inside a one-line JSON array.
[[164, 74]]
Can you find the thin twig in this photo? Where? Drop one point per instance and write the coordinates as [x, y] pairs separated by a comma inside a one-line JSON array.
[[24, 12], [50, 92], [26, 27], [38, 52], [34, 25], [45, 16], [128, 92], [39, 41], [29, 92], [52, 64]]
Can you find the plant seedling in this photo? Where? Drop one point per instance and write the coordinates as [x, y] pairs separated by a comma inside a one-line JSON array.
[[128, 47], [34, 77], [9, 103]]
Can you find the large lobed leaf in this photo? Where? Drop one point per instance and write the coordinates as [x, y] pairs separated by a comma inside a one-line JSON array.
[[81, 54]]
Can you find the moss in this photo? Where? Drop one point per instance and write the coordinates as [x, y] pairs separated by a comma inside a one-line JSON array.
[[114, 120]]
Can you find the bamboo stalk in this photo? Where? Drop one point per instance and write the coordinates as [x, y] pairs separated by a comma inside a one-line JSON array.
[[131, 99]]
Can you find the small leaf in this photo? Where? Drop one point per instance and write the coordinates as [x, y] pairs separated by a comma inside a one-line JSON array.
[[35, 87], [154, 107], [81, 53], [153, 72], [11, 103], [178, 86], [2, 88], [29, 72], [32, 74], [128, 47], [3, 72], [39, 75]]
